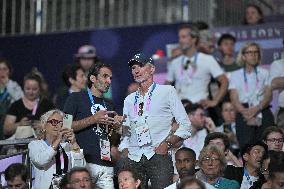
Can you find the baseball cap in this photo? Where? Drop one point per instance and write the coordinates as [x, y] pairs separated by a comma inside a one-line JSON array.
[[86, 51], [141, 59]]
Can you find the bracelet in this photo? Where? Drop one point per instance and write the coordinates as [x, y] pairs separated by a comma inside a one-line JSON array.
[[53, 147], [76, 150]]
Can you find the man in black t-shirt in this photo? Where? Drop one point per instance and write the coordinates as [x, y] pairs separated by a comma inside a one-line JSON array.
[[93, 120]]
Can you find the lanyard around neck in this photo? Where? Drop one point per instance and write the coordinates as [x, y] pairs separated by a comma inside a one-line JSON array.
[[246, 174], [137, 95], [92, 100], [246, 79], [3, 95]]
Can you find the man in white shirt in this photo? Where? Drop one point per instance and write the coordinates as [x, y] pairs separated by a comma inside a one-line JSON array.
[[192, 71], [277, 83], [149, 114], [185, 164]]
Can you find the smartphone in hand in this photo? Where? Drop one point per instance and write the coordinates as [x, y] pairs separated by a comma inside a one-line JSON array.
[[67, 121]]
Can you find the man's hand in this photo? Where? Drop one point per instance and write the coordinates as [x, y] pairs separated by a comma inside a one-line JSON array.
[[118, 120], [162, 149], [209, 124], [101, 117], [208, 103]]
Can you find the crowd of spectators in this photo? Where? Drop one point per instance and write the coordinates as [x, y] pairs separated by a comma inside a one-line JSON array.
[[213, 128]]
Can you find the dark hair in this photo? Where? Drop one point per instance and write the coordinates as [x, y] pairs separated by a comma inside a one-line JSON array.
[[70, 71], [258, 9], [7, 63], [216, 135], [275, 168], [201, 25], [190, 180], [190, 108], [226, 36], [194, 32], [33, 76], [133, 172], [76, 170], [270, 130], [16, 169], [247, 148], [188, 150], [276, 156], [95, 70], [186, 102]]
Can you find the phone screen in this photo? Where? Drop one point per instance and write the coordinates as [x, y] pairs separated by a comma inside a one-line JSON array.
[[67, 121]]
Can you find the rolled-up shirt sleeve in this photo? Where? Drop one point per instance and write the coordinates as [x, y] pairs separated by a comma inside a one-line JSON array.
[[184, 129]]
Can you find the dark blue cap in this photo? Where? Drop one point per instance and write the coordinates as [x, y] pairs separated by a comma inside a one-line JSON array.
[[140, 58]]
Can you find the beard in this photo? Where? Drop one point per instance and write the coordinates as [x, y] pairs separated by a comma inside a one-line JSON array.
[[103, 88]]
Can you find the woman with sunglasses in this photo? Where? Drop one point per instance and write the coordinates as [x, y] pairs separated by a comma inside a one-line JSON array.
[[56, 152]]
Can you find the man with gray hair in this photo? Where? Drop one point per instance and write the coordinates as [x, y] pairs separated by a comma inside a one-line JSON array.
[[149, 113]]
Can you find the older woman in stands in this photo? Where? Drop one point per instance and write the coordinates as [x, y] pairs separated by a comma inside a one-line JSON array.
[[128, 178], [212, 164], [56, 153], [27, 110]]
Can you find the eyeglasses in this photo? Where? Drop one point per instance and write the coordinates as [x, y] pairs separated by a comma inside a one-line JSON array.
[[141, 106], [275, 140], [207, 160], [251, 52], [185, 67], [55, 122], [78, 181]]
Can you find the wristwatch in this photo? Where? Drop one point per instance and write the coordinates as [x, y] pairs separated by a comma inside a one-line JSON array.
[[169, 144]]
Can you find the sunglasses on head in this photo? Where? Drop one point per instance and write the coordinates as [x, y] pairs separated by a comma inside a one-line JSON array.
[[55, 122]]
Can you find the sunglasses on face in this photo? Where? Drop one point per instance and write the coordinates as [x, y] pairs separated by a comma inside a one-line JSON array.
[[55, 122]]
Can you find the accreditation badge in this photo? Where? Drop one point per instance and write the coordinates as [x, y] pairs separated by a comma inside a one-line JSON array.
[[105, 150]]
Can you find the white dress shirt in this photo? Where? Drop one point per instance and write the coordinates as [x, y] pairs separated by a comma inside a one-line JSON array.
[[43, 160], [158, 114]]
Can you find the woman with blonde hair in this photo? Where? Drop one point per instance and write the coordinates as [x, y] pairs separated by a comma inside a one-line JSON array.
[[55, 153], [212, 163], [250, 94]]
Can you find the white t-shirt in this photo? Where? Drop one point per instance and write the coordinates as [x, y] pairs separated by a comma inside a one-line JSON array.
[[196, 141], [192, 83], [253, 91], [277, 70]]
